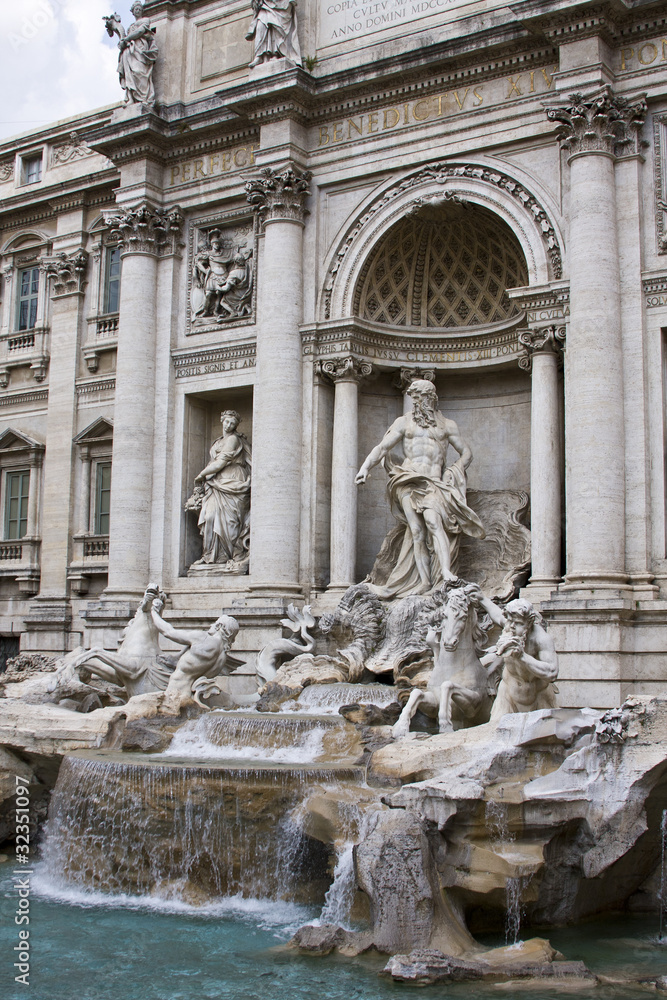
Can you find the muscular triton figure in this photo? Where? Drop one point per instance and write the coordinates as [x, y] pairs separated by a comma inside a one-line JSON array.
[[427, 496], [206, 655]]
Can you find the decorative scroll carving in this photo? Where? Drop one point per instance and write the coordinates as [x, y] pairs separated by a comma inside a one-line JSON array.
[[440, 173], [6, 170], [548, 340], [68, 272], [145, 229], [345, 369], [407, 376], [73, 149], [280, 195], [222, 277], [605, 123]]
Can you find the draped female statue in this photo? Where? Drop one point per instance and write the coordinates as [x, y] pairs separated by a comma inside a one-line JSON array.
[[222, 497], [137, 55], [274, 31]]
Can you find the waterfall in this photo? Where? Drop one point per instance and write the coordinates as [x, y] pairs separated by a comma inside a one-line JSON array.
[[340, 895], [513, 909], [199, 832]]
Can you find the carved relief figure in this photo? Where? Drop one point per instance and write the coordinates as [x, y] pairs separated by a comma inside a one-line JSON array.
[[136, 60], [427, 497], [528, 658], [225, 279], [274, 31], [222, 497]]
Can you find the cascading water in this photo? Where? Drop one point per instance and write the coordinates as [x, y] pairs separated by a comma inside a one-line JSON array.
[[216, 816], [497, 823], [328, 698]]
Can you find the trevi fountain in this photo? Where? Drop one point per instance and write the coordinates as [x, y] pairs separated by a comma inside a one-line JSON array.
[[391, 709]]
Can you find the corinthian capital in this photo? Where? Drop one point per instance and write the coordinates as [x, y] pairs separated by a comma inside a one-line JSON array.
[[547, 340], [145, 229], [345, 369], [68, 271], [279, 195], [601, 124]]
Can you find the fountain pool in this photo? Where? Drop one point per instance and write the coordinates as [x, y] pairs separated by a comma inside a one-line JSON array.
[[99, 947]]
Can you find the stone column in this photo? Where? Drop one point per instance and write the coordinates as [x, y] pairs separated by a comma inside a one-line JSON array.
[[84, 498], [590, 131], [146, 234], [543, 349], [49, 619], [278, 196], [345, 373]]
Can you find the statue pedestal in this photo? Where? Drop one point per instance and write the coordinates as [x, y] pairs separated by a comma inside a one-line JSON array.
[[216, 571], [129, 111], [271, 68]]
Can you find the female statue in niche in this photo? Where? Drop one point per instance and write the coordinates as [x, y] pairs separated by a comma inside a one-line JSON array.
[[136, 60], [222, 497]]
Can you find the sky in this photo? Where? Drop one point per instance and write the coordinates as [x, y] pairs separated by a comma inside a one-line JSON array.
[[56, 60]]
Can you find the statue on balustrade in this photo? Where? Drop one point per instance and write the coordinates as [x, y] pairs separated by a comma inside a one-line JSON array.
[[137, 55], [222, 498], [274, 31], [224, 279], [427, 497]]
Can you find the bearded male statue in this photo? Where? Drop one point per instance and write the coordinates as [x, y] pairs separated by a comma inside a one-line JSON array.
[[427, 497]]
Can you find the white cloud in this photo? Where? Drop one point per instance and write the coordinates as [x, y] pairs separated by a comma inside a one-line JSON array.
[[57, 60]]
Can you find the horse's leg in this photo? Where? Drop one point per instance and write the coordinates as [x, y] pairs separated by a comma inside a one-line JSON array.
[[445, 708], [468, 700], [402, 727]]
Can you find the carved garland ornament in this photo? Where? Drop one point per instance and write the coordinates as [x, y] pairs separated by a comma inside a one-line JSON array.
[[601, 124], [440, 173], [279, 195], [149, 230], [74, 148]]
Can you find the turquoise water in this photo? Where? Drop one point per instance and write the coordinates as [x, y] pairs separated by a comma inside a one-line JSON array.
[[100, 948]]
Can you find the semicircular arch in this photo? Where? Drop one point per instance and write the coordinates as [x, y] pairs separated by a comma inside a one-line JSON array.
[[532, 224]]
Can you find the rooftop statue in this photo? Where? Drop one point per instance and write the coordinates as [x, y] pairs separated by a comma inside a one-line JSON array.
[[222, 497], [137, 55], [427, 497], [274, 31]]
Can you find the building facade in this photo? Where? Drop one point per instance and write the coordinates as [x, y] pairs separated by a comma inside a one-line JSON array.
[[471, 193]]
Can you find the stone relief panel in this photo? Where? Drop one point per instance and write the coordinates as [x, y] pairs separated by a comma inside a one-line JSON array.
[[221, 274]]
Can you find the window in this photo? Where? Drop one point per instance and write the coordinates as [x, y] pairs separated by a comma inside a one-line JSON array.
[[27, 299], [17, 486], [102, 497], [111, 280], [31, 169]]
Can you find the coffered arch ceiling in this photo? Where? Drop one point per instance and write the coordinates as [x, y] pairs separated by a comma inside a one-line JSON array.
[[444, 267]]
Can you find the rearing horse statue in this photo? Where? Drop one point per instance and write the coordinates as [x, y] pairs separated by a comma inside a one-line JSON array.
[[138, 665], [458, 688]]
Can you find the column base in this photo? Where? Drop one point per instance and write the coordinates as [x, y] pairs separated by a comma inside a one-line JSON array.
[[273, 593], [593, 585], [49, 627], [540, 588]]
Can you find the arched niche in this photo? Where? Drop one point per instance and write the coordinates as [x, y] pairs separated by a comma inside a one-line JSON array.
[[529, 218]]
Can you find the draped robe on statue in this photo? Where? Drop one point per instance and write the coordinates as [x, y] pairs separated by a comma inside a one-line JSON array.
[[136, 62], [224, 520], [395, 572]]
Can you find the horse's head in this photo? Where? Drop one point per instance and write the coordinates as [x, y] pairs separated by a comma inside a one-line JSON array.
[[456, 615]]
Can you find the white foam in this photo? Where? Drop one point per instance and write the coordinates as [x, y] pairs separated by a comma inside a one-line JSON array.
[[268, 914], [191, 743], [326, 699]]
